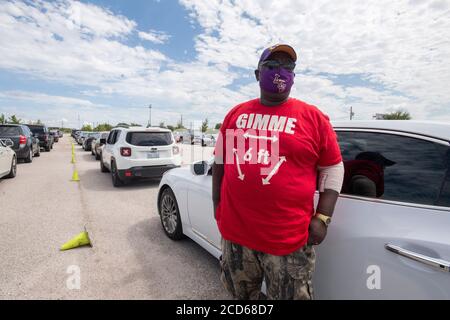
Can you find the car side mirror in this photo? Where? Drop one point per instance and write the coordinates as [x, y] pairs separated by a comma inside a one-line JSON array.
[[102, 141], [200, 168]]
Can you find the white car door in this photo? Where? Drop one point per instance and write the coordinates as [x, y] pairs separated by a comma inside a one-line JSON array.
[[107, 149], [4, 159], [412, 218], [200, 208]]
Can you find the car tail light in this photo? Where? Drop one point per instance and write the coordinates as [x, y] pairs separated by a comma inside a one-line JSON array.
[[22, 140], [46, 137], [128, 173], [175, 150], [125, 152]]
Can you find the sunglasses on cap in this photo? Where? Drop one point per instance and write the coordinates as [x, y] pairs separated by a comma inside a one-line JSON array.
[[274, 64]]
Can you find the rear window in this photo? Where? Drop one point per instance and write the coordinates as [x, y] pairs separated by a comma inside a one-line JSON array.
[[10, 131], [36, 129], [148, 139]]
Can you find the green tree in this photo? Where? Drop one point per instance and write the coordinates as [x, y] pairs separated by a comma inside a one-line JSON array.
[[204, 126], [87, 127], [14, 120], [218, 125], [171, 128], [162, 125], [397, 115], [103, 127], [123, 124], [135, 124], [2, 119]]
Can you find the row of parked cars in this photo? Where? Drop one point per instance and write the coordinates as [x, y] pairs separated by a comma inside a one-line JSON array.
[[23, 142], [130, 153]]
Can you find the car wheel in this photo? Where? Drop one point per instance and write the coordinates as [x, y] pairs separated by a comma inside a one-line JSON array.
[[29, 158], [170, 215], [102, 166], [97, 156], [13, 171], [115, 176], [38, 153], [47, 148], [92, 152]]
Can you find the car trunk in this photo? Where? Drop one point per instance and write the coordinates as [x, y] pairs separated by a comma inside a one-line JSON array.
[[11, 133]]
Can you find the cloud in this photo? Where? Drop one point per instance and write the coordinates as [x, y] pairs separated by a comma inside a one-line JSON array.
[[154, 36]]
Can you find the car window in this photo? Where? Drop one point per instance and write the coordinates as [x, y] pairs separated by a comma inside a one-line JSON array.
[[149, 139], [116, 136], [111, 137], [9, 131], [393, 167], [444, 198]]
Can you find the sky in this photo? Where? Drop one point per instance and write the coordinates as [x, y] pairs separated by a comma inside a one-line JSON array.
[[72, 62]]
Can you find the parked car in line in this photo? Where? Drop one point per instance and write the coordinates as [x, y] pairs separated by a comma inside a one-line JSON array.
[[83, 136], [55, 135], [138, 152], [398, 232], [8, 159], [74, 133], [97, 145], [88, 140], [25, 144], [41, 132]]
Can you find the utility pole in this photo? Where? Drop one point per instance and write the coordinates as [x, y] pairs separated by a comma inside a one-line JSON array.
[[352, 114], [150, 116], [182, 121]]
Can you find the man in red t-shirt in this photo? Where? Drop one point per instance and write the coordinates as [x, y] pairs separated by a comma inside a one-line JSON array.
[[268, 156]]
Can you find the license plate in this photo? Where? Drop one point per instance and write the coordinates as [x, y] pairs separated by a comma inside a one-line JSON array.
[[152, 155]]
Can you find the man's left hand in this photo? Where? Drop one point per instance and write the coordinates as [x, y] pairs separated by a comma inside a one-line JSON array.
[[317, 231]]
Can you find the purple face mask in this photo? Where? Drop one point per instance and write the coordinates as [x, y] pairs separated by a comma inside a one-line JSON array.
[[276, 80]]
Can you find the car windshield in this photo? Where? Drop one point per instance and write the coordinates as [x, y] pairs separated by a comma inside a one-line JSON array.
[[147, 139], [9, 131]]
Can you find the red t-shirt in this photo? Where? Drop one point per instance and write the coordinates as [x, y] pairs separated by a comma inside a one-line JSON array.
[[267, 199]]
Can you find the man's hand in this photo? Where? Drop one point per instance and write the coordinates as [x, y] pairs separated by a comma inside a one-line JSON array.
[[317, 231]]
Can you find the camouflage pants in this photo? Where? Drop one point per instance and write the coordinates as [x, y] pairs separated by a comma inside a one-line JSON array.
[[287, 277]]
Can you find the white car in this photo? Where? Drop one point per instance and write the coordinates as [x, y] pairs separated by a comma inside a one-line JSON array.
[[138, 152], [8, 159], [394, 245]]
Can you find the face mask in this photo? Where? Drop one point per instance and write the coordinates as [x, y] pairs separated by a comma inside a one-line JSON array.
[[276, 80]]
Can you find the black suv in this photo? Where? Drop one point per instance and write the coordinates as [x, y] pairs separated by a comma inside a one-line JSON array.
[[43, 134], [25, 144]]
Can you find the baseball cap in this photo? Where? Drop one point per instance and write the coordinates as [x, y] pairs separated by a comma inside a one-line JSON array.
[[376, 157], [278, 48]]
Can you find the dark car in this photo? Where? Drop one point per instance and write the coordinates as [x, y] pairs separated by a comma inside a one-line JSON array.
[[97, 148], [42, 133], [87, 144], [55, 135], [26, 146]]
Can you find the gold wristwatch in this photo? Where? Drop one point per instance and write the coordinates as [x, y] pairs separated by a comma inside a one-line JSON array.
[[325, 219]]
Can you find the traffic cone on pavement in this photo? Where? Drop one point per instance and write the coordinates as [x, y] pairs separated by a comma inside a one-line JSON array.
[[73, 158], [75, 176], [81, 239]]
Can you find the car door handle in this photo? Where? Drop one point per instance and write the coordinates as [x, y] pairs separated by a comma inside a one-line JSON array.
[[433, 262]]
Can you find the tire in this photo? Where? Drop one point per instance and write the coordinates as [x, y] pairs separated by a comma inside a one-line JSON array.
[[38, 153], [29, 158], [92, 152], [13, 171], [47, 148], [102, 166], [170, 215], [115, 176], [97, 157]]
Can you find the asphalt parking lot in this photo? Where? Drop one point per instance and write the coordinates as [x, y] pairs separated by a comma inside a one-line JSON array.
[[131, 257]]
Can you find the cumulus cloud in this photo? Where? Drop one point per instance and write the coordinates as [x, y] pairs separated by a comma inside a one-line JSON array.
[[154, 36]]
